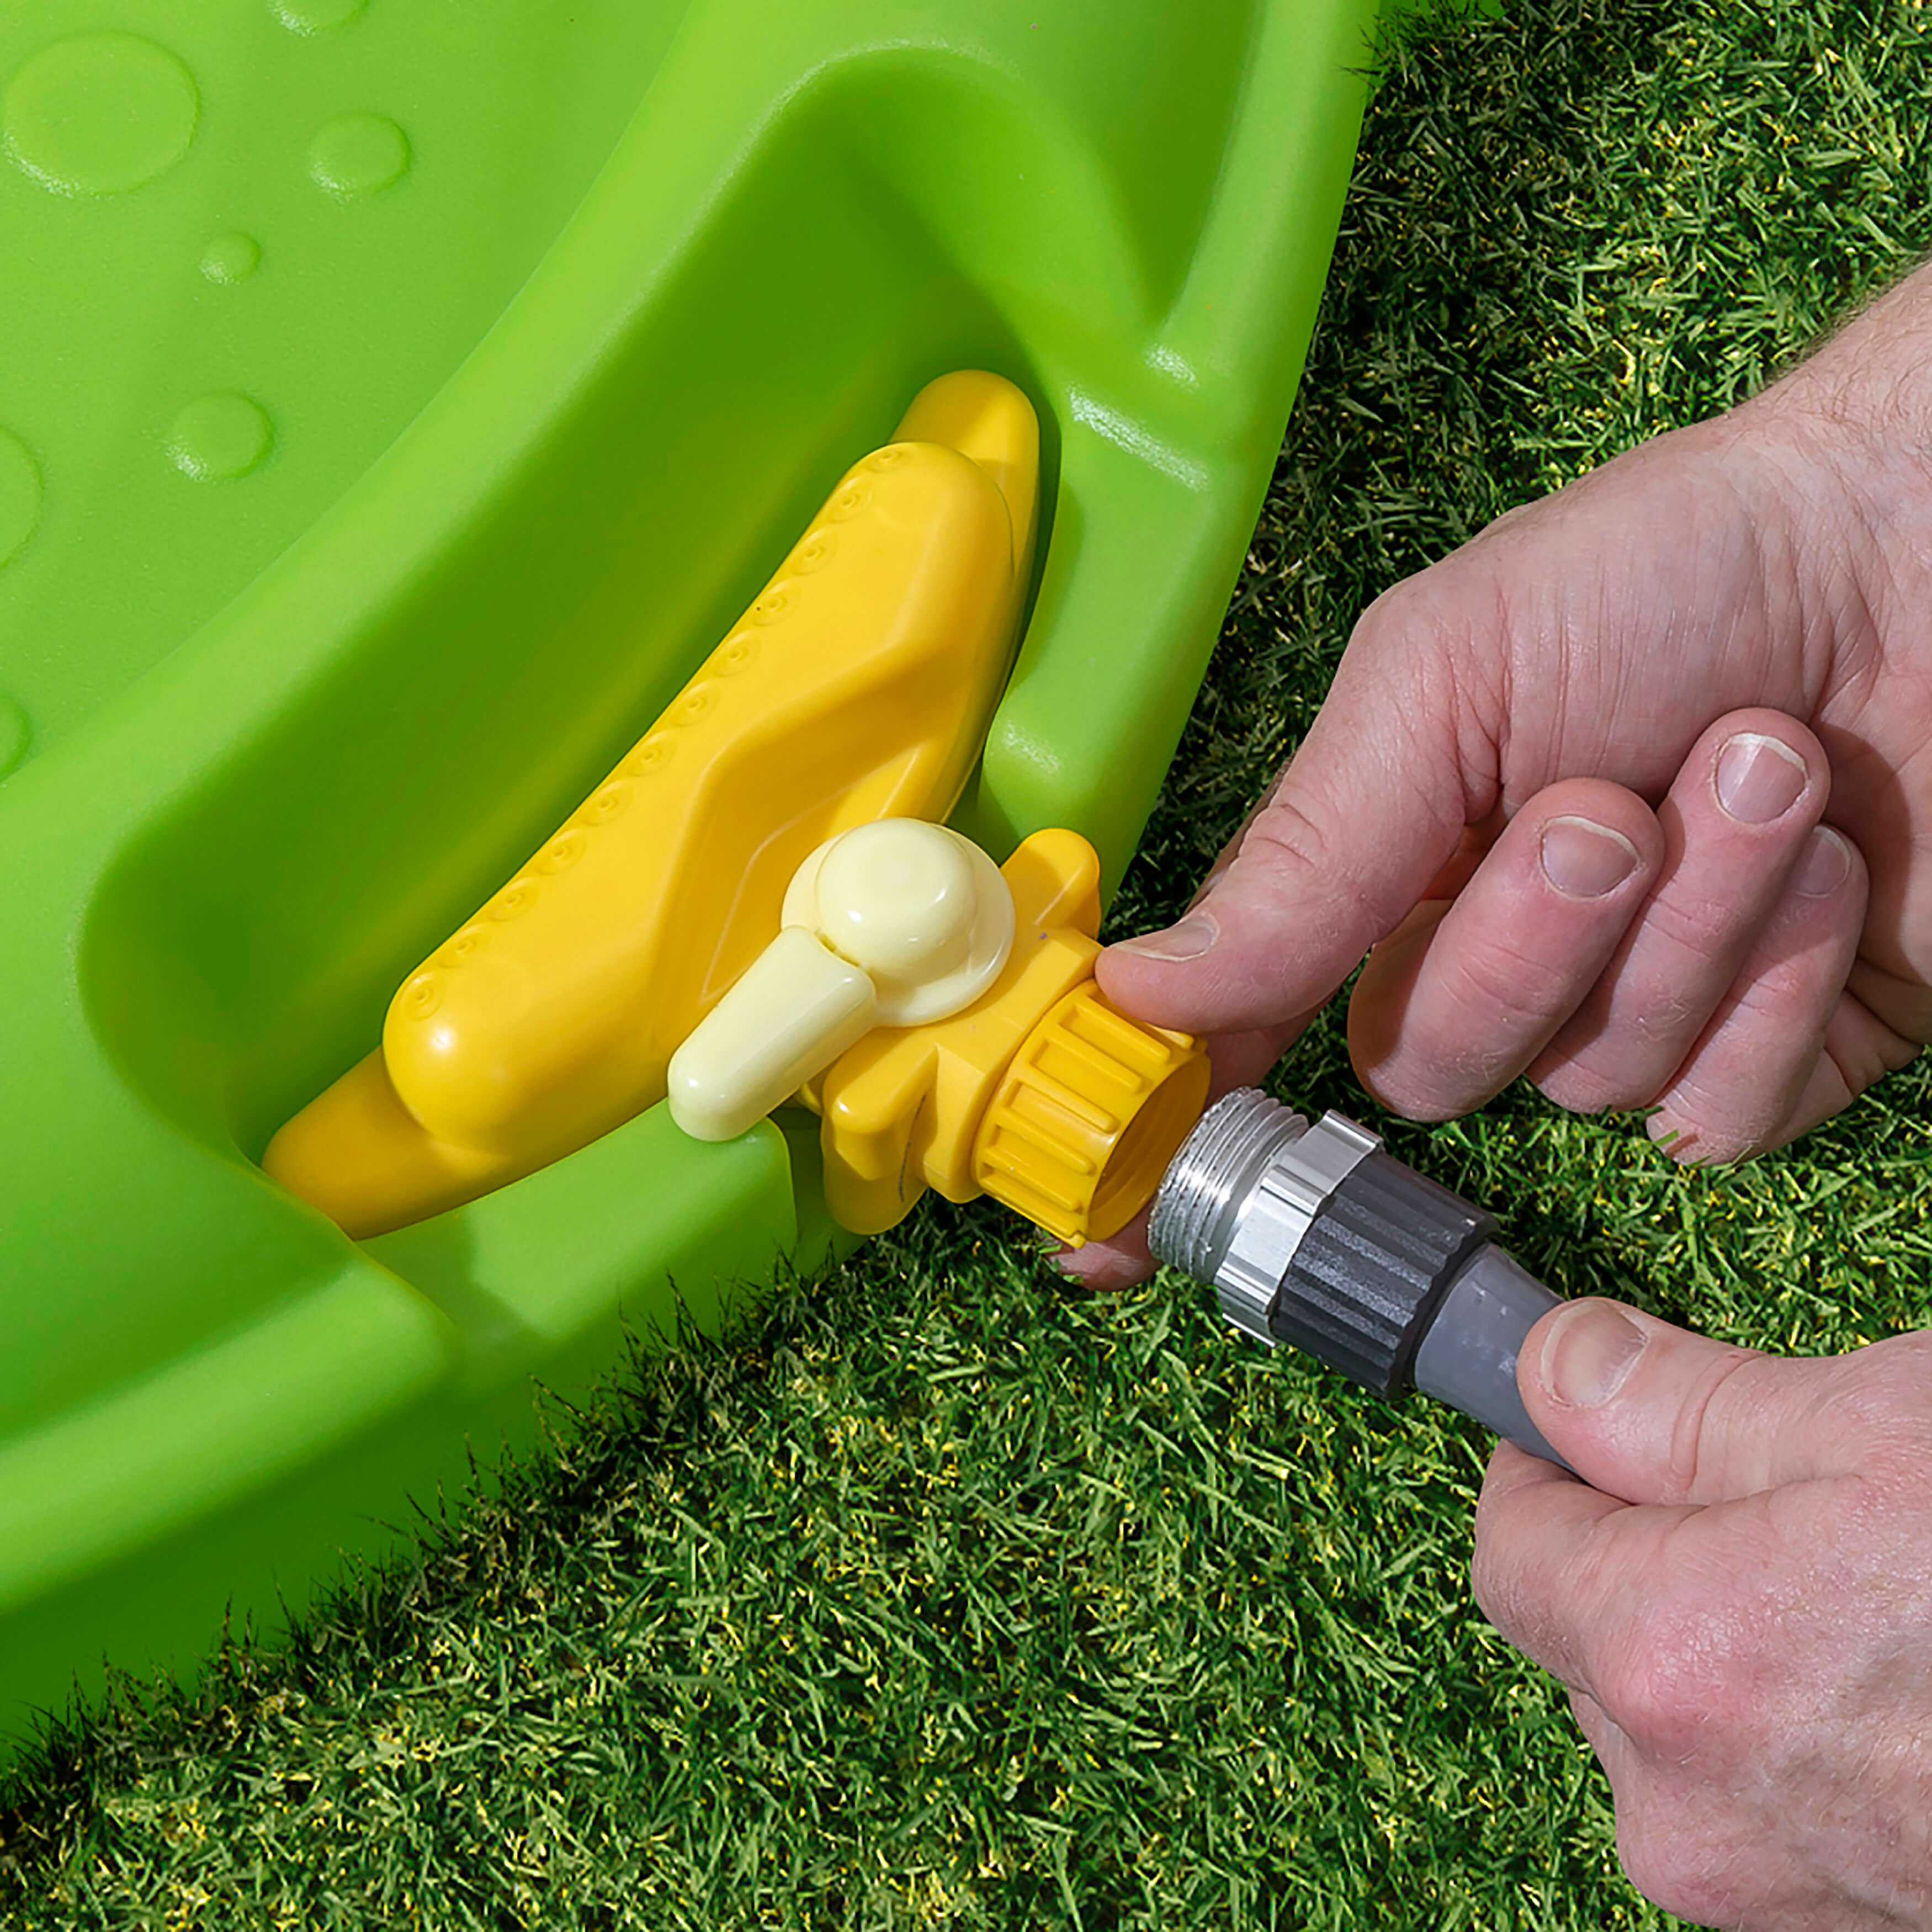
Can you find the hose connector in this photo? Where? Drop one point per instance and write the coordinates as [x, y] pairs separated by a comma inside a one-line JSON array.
[[1241, 1195], [1312, 1235]]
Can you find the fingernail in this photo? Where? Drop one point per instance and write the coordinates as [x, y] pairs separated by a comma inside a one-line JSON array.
[[1758, 778], [1188, 941], [1584, 860], [1822, 869], [1589, 1350]]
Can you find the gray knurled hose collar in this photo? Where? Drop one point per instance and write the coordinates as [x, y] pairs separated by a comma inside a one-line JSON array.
[[1312, 1235]]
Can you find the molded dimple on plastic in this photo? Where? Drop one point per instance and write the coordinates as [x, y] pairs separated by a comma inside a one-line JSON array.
[[99, 114]]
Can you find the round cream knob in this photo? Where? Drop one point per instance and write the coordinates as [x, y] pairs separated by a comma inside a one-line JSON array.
[[897, 902], [924, 913]]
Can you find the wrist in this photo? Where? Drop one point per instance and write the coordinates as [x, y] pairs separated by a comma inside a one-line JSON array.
[[1846, 440]]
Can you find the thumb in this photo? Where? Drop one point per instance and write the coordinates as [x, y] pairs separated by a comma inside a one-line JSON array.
[[1367, 812], [1652, 1414]]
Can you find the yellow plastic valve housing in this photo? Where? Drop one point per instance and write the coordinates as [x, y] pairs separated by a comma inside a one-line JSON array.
[[1040, 1093], [897, 923], [859, 685]]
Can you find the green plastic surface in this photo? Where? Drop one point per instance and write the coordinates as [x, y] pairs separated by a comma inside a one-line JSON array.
[[397, 402]]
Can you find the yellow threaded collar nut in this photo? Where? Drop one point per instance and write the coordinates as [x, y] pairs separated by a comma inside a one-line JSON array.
[[1086, 1117]]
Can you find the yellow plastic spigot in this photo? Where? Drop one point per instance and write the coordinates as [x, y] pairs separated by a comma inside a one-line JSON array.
[[1040, 1093], [1027, 1086], [899, 922]]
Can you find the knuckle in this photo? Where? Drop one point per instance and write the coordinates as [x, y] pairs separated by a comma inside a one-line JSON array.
[[1645, 1692], [1432, 1037], [1680, 1686], [1777, 991], [1285, 839], [1431, 648], [1665, 1860], [1877, 1405], [1412, 609], [1695, 928], [1691, 1436], [1620, 1051], [1499, 982]]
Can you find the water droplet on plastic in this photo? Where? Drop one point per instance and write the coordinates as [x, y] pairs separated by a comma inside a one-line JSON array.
[[219, 436], [231, 258], [99, 113], [19, 496], [16, 734], [317, 16], [357, 154]]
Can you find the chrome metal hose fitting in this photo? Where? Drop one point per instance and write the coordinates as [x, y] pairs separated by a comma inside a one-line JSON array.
[[1312, 1235]]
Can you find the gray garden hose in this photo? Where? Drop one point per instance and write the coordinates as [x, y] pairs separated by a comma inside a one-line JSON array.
[[1312, 1235]]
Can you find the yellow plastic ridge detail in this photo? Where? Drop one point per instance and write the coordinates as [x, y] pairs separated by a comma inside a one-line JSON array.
[[1093, 1108], [859, 685], [1038, 1094]]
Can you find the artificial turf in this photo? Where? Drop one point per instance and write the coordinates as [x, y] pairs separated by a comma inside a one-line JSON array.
[[952, 1596]]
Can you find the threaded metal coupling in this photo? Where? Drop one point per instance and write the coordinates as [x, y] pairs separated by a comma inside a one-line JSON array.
[[1314, 1237], [1243, 1192], [1201, 1194]]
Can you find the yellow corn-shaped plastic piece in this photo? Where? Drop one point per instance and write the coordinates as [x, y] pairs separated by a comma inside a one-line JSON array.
[[859, 685]]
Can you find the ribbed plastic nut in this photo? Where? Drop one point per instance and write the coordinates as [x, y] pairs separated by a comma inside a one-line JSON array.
[[1086, 1117]]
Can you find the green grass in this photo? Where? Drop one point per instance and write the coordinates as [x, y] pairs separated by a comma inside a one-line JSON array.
[[954, 1597]]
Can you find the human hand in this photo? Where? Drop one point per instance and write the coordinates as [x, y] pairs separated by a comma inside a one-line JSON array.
[[1747, 1634], [1632, 793]]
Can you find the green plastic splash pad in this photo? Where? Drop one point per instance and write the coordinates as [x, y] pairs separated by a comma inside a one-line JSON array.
[[396, 403]]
